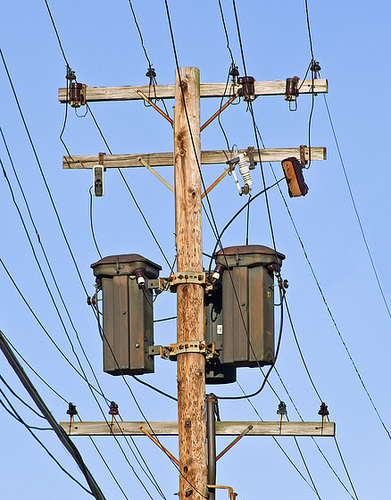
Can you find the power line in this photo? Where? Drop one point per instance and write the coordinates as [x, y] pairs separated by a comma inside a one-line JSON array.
[[82, 375], [277, 442], [356, 210], [49, 267], [64, 438], [42, 174], [226, 34], [29, 428], [327, 305]]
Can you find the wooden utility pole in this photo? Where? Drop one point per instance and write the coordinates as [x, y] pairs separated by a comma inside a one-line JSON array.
[[187, 159], [190, 297]]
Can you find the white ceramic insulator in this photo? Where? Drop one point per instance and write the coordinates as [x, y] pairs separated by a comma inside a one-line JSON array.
[[244, 170]]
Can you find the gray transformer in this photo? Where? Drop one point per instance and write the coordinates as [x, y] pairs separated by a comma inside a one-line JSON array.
[[239, 314], [127, 313]]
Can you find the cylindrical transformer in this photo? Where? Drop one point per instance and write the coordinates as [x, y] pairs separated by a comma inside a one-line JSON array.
[[127, 313], [240, 313]]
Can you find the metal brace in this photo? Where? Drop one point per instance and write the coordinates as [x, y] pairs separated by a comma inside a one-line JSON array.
[[231, 494]]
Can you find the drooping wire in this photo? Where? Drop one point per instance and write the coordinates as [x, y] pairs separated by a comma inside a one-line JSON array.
[[20, 398], [250, 108], [57, 35], [272, 366], [226, 33], [309, 29], [35, 372], [248, 219], [82, 375], [67, 402], [92, 224], [251, 200], [239, 37], [356, 209], [155, 388], [58, 218], [139, 33]]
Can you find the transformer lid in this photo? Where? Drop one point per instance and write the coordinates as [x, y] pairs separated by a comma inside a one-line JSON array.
[[125, 264], [248, 255]]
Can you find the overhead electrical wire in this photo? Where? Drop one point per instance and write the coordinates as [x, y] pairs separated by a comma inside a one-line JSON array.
[[92, 224], [92, 388], [137, 404], [67, 402], [313, 439], [250, 108], [150, 69]]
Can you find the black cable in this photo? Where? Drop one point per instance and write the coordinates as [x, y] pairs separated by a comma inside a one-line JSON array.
[[226, 34], [57, 35], [11, 83], [251, 200], [91, 387], [239, 37], [327, 305], [211, 218], [35, 372], [20, 399], [49, 290], [139, 33], [314, 387], [155, 388], [309, 29], [92, 224], [164, 319], [248, 219], [250, 108]]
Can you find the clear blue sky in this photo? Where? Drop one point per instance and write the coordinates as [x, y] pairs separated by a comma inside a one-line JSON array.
[[351, 42]]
